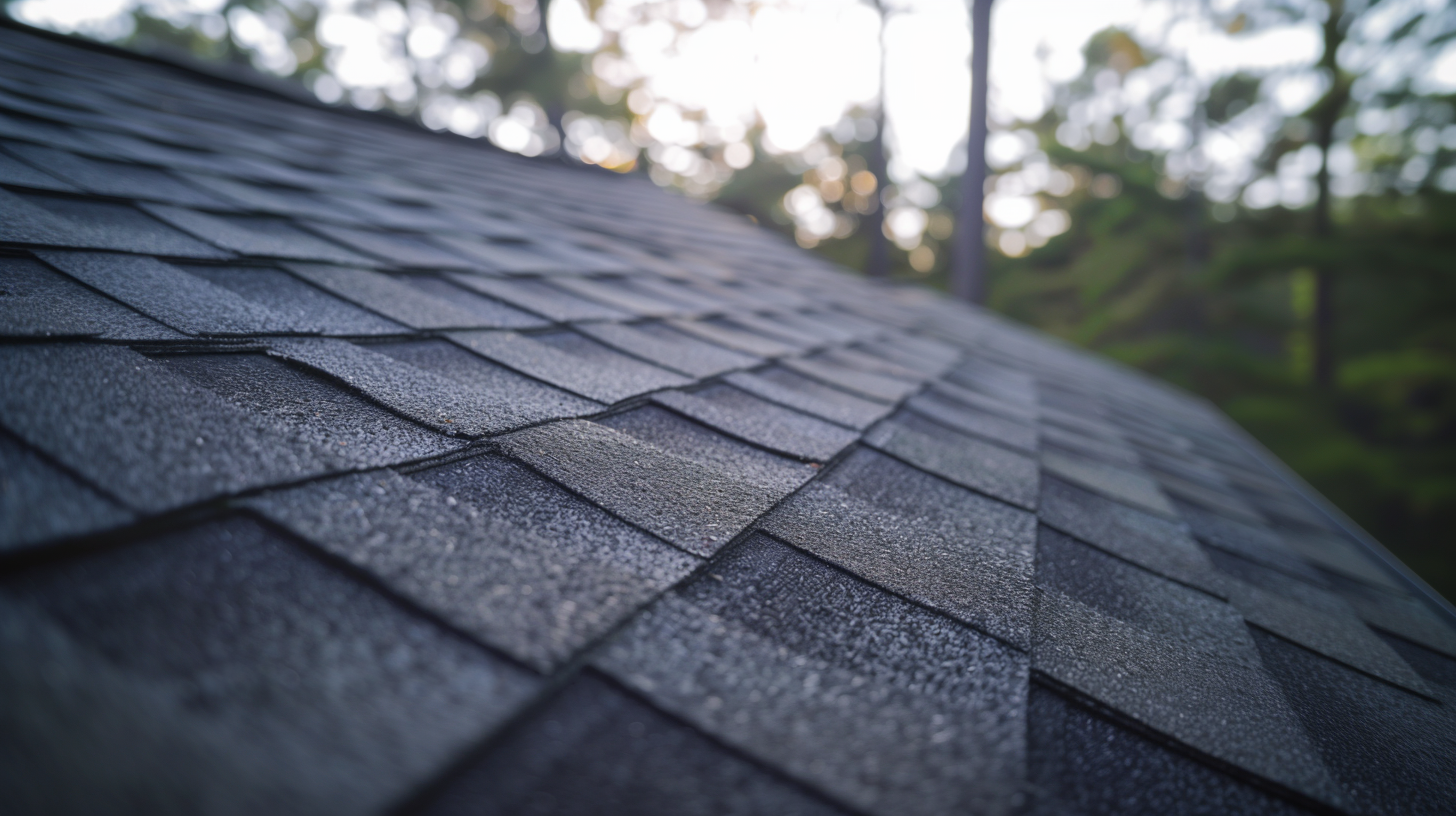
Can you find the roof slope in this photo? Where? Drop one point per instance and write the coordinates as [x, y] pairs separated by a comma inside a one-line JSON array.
[[346, 467]]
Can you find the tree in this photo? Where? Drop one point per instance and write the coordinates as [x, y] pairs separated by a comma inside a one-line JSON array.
[[969, 258]]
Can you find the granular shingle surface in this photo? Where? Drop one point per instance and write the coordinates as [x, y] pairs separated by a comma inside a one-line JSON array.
[[740, 414], [597, 749], [40, 302], [919, 536], [348, 467], [962, 459], [733, 653], [235, 663]]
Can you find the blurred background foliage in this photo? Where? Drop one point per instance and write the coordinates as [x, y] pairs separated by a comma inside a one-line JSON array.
[[1280, 238]]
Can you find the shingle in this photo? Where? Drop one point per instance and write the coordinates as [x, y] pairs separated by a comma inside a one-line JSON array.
[[774, 327], [1144, 539], [1340, 554], [148, 436], [1091, 447], [1390, 749], [597, 749], [539, 297], [617, 296], [968, 462], [919, 536], [300, 306], [256, 235], [1257, 543], [1170, 611], [866, 384], [930, 357], [1228, 709], [73, 222], [17, 173], [220, 669], [271, 200], [115, 178], [508, 256], [1024, 413], [570, 361], [40, 302], [683, 437], [1332, 630], [802, 394], [879, 703], [1438, 670], [989, 427], [749, 418], [409, 251], [356, 432], [40, 502], [1411, 618], [168, 294], [860, 359], [447, 403], [397, 300], [490, 547], [1130, 487], [1222, 501], [688, 503], [1084, 763], [657, 343], [488, 313], [733, 338]]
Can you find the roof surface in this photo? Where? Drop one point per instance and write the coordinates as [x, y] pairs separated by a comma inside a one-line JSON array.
[[347, 468]]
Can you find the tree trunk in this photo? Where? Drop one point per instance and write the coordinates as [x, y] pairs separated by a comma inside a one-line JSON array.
[[877, 265], [1327, 114], [968, 270]]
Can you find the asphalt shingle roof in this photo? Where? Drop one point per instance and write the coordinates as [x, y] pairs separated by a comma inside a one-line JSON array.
[[351, 468]]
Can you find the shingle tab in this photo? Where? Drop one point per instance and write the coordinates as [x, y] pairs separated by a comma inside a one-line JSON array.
[[151, 437], [968, 462], [490, 547], [448, 404], [869, 385], [693, 505], [1228, 709], [115, 178], [801, 665], [69, 222], [168, 294], [749, 418], [990, 427], [17, 173], [572, 362], [1127, 486], [409, 251], [40, 302], [1083, 763], [221, 669], [673, 350], [597, 749], [919, 536], [1389, 749], [539, 297], [355, 432], [256, 235], [301, 306], [1333, 630], [803, 394], [40, 502], [1144, 539], [397, 300]]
